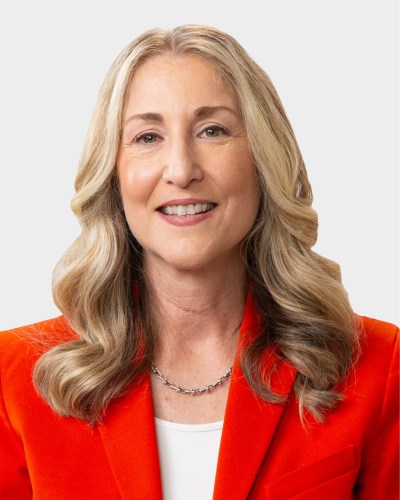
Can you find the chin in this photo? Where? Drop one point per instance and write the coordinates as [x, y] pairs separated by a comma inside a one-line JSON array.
[[187, 260], [189, 263]]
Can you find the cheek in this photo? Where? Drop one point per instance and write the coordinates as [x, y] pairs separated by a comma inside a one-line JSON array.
[[134, 196], [238, 175], [135, 184], [247, 194]]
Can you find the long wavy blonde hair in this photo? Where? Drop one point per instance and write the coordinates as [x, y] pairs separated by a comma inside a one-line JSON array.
[[306, 309]]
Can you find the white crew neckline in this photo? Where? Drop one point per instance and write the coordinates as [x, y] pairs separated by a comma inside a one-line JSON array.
[[211, 426]]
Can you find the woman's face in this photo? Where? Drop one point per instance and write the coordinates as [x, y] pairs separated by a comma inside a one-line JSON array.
[[186, 172]]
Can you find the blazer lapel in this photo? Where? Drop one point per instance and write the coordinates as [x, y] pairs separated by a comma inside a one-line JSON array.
[[250, 423], [129, 438]]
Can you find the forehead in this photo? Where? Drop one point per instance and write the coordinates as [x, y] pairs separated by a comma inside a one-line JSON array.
[[189, 76]]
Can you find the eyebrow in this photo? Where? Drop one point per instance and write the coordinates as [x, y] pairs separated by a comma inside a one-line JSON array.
[[202, 112]]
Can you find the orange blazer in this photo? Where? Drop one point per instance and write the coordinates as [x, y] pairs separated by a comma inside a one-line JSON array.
[[265, 453]]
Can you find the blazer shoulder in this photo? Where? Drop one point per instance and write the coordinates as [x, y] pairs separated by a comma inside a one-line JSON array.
[[377, 324], [378, 332], [378, 362], [39, 336]]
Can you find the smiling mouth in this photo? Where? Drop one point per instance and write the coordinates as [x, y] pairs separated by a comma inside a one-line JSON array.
[[185, 210]]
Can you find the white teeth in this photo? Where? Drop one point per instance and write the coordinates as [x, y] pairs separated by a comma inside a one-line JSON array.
[[183, 210]]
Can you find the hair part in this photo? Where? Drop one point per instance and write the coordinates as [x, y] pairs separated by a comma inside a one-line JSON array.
[[95, 284]]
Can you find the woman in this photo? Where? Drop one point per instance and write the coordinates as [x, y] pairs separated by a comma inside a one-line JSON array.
[[204, 349]]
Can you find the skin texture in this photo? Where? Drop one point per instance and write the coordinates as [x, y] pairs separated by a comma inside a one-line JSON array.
[[184, 158]]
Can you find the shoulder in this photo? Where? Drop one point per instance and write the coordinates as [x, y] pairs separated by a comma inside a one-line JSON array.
[[375, 374], [378, 339], [20, 348], [30, 341], [377, 328]]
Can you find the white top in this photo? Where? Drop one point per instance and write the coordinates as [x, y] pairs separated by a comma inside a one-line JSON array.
[[188, 456]]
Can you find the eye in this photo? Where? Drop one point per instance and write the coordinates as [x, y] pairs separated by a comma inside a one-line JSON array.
[[147, 138], [214, 131]]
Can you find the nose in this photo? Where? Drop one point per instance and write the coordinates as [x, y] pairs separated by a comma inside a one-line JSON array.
[[181, 165]]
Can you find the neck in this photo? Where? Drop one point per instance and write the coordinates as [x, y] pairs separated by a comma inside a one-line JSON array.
[[197, 314]]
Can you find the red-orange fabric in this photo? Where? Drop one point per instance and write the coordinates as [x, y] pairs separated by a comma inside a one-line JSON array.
[[265, 453]]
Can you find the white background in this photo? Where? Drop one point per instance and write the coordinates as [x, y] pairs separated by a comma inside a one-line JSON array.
[[333, 63]]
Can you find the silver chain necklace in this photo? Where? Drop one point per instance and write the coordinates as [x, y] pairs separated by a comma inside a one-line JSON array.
[[193, 392]]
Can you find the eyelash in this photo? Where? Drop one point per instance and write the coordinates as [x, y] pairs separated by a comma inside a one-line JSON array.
[[212, 127]]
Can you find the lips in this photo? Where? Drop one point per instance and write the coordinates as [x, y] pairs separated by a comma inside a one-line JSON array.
[[183, 210]]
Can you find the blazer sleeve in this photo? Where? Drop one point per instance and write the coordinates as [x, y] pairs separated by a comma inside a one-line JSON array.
[[379, 473], [14, 477]]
